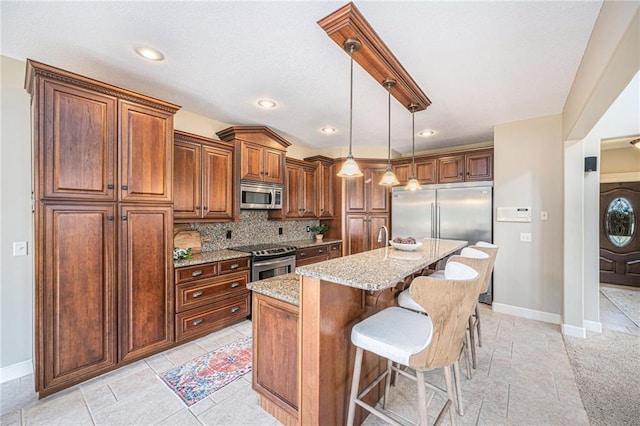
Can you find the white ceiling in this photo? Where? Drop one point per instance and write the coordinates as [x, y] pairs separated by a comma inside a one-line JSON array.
[[481, 62]]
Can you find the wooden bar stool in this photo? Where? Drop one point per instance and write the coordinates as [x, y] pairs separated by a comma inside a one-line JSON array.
[[474, 321], [421, 342]]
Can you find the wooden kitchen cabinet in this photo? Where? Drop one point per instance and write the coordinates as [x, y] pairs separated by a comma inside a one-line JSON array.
[[364, 194], [300, 201], [426, 171], [261, 152], [210, 296], [318, 253], [203, 179], [468, 167], [451, 169], [275, 355], [324, 185], [75, 309], [103, 194], [145, 285], [362, 232]]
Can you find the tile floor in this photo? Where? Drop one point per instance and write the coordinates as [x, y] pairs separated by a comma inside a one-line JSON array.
[[523, 377]]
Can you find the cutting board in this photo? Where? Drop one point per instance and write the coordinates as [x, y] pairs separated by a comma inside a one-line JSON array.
[[188, 239]]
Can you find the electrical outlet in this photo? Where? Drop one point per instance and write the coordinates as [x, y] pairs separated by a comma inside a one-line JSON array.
[[279, 231], [20, 248], [544, 215], [308, 229], [228, 234], [525, 237]]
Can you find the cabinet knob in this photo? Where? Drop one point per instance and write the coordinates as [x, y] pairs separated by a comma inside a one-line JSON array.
[[125, 187], [110, 186], [206, 207], [197, 207], [235, 285], [125, 218], [109, 217], [196, 294], [197, 322], [235, 309], [196, 273]]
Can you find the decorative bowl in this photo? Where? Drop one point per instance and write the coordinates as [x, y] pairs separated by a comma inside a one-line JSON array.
[[406, 247]]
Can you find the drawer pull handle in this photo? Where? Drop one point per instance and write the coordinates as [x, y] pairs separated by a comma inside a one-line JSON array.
[[196, 294], [303, 254], [320, 251], [196, 273], [125, 187], [234, 285], [235, 309], [197, 322], [234, 266]]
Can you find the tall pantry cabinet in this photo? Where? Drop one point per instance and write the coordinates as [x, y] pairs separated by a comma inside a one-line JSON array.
[[103, 225]]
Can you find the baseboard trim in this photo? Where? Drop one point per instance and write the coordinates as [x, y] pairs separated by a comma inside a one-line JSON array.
[[526, 313], [573, 331], [594, 326], [15, 371]]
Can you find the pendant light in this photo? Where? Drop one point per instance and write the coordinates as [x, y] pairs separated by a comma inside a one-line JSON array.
[[389, 179], [350, 167], [413, 184]]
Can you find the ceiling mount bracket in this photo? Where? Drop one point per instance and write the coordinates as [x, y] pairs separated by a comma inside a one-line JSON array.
[[352, 45]]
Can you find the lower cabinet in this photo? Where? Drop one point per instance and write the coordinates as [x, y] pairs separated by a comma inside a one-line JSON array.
[[362, 232], [211, 296], [318, 253], [275, 357]]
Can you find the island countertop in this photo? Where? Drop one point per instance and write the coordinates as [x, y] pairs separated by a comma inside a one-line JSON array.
[[382, 268]]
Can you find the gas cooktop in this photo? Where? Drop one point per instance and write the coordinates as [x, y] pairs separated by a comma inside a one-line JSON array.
[[268, 249]]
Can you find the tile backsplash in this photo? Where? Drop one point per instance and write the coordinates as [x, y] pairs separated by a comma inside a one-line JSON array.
[[255, 228]]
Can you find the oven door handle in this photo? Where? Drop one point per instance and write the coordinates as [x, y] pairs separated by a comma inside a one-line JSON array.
[[274, 262]]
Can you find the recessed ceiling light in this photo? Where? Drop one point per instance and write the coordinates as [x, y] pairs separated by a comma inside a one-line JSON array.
[[266, 103], [426, 133], [150, 53], [328, 130]]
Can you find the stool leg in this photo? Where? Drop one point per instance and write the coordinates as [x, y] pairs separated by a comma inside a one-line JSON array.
[[422, 397], [469, 354], [355, 383], [478, 325], [447, 379], [458, 382], [472, 342], [387, 383]]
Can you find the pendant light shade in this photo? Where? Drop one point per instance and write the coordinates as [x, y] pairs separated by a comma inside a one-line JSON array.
[[389, 178], [413, 184], [350, 167]]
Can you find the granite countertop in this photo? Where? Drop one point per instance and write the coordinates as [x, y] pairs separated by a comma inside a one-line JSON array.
[[281, 287], [210, 256], [312, 243], [382, 268]]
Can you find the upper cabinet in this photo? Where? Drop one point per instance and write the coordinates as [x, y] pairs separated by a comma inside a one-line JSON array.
[[203, 179], [261, 150], [364, 194], [107, 143], [426, 171], [300, 191], [324, 185], [456, 167]]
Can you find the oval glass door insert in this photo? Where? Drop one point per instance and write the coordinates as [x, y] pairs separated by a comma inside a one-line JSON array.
[[620, 222]]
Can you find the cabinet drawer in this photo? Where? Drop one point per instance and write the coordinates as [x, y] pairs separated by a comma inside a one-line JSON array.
[[204, 292], [198, 272], [203, 320], [234, 265], [335, 250], [311, 252]]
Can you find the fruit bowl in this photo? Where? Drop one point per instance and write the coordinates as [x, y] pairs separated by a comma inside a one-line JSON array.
[[405, 247]]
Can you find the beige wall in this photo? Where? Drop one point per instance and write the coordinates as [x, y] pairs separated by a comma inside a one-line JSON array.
[[16, 273], [528, 173], [626, 160]]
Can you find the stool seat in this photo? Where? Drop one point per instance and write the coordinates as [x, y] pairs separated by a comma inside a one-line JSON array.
[[394, 333]]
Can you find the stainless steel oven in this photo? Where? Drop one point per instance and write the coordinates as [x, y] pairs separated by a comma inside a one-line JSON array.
[[270, 260]]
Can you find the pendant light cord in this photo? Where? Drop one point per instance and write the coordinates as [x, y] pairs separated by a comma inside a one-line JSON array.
[[351, 100], [413, 143], [389, 139]]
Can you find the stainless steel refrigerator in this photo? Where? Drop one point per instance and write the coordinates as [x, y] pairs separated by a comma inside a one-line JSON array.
[[452, 211]]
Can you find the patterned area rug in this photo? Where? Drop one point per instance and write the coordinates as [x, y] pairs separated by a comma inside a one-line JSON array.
[[200, 377], [628, 301]]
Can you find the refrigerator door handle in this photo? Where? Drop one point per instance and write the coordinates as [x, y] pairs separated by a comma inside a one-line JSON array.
[[433, 221], [438, 226]]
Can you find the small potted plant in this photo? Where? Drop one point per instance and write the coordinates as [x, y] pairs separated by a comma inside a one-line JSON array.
[[319, 230]]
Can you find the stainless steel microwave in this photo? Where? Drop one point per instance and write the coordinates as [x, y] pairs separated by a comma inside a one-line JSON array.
[[260, 196]]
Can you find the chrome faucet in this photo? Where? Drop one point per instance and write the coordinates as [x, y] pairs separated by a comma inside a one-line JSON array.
[[386, 235]]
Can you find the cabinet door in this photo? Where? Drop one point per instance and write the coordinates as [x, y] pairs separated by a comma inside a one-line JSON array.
[[451, 169], [309, 205], [273, 161], [145, 285], [294, 196], [377, 196], [77, 144], [426, 172], [355, 194], [186, 180], [217, 183], [325, 190], [402, 172], [251, 157], [146, 148], [479, 166], [76, 334], [375, 223], [357, 235]]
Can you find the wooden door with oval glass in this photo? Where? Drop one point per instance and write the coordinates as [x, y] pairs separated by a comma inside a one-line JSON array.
[[619, 235]]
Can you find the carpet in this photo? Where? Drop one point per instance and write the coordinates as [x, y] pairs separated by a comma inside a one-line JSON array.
[[607, 372], [628, 301], [200, 377]]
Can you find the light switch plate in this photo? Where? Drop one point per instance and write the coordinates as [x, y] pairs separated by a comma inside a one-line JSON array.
[[19, 248], [544, 215], [525, 237]]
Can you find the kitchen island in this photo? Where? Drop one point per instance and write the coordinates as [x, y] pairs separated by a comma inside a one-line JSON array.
[[308, 376]]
